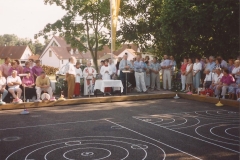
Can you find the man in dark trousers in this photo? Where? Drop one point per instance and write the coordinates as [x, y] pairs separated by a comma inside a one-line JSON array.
[[124, 65]]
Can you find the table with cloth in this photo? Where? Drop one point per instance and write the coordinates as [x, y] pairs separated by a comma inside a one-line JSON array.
[[101, 84]]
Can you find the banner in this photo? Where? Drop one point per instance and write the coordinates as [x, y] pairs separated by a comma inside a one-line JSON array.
[[114, 7]]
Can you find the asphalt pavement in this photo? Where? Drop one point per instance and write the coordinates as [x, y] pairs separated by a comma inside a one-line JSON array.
[[134, 130]]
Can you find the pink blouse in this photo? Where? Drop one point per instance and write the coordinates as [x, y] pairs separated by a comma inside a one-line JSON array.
[[28, 81]]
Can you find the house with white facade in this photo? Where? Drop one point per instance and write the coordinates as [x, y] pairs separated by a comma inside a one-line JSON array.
[[58, 52], [21, 53], [130, 52]]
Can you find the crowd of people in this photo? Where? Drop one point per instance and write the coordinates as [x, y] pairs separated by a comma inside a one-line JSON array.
[[214, 75], [30, 80]]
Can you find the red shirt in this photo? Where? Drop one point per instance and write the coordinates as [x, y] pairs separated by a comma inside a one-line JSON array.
[[184, 67]]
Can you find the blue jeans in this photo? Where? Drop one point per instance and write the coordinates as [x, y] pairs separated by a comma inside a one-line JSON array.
[[4, 94], [196, 80]]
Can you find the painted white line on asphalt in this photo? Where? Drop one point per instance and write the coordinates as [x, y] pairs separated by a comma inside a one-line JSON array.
[[44, 125], [192, 137], [152, 139]]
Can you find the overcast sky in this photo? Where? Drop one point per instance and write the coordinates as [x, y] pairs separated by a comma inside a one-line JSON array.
[[26, 17]]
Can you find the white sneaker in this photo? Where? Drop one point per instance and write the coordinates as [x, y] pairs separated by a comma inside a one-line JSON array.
[[217, 97], [238, 99], [27, 100], [223, 97]]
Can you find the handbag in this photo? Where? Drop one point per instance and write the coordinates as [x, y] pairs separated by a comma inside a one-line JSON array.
[[208, 92]]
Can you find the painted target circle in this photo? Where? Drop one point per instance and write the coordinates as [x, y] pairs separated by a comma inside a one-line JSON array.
[[90, 147]]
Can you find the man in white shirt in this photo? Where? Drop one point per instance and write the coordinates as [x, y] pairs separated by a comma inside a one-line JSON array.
[[3, 81], [166, 66], [13, 83], [70, 76], [124, 65], [139, 67]]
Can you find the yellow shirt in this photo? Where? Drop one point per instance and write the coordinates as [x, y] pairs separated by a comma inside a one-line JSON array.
[[42, 81]]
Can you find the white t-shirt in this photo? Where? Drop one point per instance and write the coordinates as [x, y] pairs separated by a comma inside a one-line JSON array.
[[70, 69], [209, 77], [235, 71], [10, 79], [197, 67], [217, 78]]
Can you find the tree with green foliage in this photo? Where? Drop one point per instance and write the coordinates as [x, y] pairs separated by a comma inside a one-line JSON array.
[[14, 40], [184, 27], [85, 26]]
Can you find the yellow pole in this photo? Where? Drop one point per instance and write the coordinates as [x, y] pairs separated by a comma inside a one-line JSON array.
[[114, 10]]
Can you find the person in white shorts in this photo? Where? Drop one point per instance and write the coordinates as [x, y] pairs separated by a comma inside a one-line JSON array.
[[13, 83]]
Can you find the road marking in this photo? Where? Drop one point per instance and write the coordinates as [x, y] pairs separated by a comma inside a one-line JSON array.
[[51, 124], [193, 137], [152, 139]]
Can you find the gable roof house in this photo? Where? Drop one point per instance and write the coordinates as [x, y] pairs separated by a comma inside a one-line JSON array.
[[21, 53], [131, 49], [58, 52]]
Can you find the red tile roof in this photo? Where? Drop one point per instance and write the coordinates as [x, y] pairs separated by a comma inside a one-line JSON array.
[[62, 52], [61, 41], [13, 52]]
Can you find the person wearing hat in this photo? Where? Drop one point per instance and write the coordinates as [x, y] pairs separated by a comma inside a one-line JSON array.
[[43, 84]]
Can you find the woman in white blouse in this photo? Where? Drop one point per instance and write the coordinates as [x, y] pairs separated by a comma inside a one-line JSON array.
[[197, 67], [189, 76]]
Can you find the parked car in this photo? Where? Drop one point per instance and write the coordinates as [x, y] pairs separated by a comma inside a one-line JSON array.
[[61, 73]]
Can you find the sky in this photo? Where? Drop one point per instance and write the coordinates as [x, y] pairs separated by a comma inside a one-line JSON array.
[[27, 17]]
